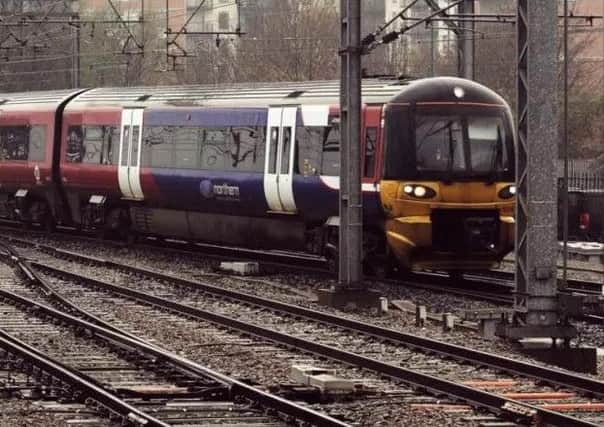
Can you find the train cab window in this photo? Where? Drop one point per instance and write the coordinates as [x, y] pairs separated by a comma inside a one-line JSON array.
[[274, 147], [370, 145], [487, 144], [439, 144]]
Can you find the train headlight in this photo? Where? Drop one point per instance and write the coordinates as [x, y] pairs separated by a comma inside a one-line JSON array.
[[507, 192], [419, 191]]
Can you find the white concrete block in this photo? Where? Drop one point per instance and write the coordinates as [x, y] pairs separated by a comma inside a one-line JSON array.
[[327, 382], [242, 268], [301, 374]]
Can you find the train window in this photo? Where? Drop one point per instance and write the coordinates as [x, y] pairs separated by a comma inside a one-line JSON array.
[[214, 149], [487, 144], [135, 140], [37, 143], [14, 142], [287, 136], [309, 141], [158, 147], [125, 145], [246, 149], [274, 147], [75, 140], [111, 146], [330, 161], [93, 144], [186, 141], [439, 144], [221, 149], [370, 144]]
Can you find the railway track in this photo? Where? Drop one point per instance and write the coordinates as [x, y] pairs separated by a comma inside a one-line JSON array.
[[376, 349], [125, 377], [495, 286]]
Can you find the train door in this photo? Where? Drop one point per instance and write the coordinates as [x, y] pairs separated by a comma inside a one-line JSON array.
[[130, 153], [279, 162]]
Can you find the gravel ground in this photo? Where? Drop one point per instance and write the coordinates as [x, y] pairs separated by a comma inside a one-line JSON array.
[[299, 289]]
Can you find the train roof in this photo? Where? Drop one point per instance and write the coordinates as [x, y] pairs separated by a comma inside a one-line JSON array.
[[39, 101], [239, 94], [374, 91]]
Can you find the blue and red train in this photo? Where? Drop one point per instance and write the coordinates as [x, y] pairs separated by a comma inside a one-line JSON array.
[[257, 166]]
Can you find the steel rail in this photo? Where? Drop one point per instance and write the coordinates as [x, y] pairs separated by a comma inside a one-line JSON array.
[[237, 388], [435, 385], [78, 381], [504, 281], [549, 375], [34, 278]]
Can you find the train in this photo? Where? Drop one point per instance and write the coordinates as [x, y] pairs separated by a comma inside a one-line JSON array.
[[257, 165]]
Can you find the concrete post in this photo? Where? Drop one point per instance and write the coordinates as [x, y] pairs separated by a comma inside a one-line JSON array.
[[536, 302], [466, 41], [351, 208]]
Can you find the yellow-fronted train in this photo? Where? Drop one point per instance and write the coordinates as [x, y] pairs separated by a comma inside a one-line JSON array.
[[257, 165]]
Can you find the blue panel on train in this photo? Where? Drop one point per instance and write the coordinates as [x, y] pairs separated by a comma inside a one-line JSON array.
[[212, 191], [313, 199], [207, 117]]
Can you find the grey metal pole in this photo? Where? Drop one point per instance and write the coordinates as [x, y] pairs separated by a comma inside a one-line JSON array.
[[565, 155], [467, 44], [351, 208]]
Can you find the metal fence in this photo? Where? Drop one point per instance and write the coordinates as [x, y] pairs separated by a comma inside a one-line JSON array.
[[585, 201]]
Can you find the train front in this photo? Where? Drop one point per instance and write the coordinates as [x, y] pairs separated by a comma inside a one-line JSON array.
[[448, 175]]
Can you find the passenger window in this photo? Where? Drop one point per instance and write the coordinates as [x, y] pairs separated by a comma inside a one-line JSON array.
[[370, 144], [75, 144], [14, 142], [308, 150], [214, 149], [185, 146], [330, 162], [93, 144], [37, 143], [246, 149]]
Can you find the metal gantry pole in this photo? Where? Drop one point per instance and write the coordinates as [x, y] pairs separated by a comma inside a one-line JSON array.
[[351, 209], [536, 299], [565, 155], [467, 44]]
